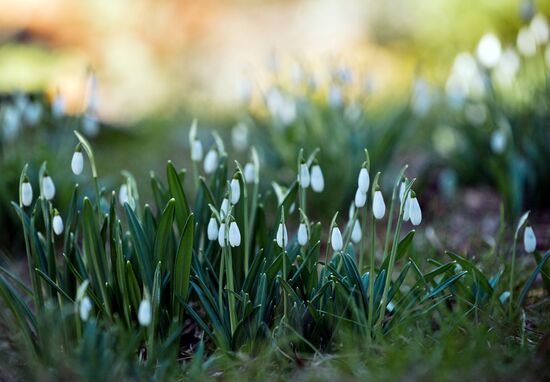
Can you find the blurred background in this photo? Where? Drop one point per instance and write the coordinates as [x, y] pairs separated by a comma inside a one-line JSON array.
[[458, 89]]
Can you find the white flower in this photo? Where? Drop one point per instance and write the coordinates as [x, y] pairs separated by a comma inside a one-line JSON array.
[[48, 187], [33, 113], [529, 240], [489, 50], [90, 124], [77, 163], [85, 308], [363, 180], [196, 151], [539, 28], [415, 213], [498, 141], [57, 224], [282, 236], [235, 191], [239, 136], [302, 234], [402, 189], [303, 176], [336, 239], [356, 233], [335, 98], [144, 313], [212, 230], [221, 235], [123, 194], [26, 193], [407, 208], [211, 161], [249, 173], [360, 198], [58, 105], [317, 180], [224, 208], [234, 235], [526, 42], [378, 206]]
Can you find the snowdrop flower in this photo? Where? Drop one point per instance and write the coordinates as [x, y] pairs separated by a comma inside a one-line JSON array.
[[26, 192], [235, 191], [335, 98], [224, 208], [12, 122], [212, 230], [378, 205], [85, 308], [526, 42], [529, 240], [489, 50], [58, 105], [317, 180], [507, 68], [407, 208], [360, 198], [498, 141], [123, 194], [221, 235], [48, 187], [211, 161], [57, 223], [539, 28], [90, 124], [196, 151], [363, 180], [239, 136], [144, 313], [234, 235], [336, 239], [415, 213], [402, 188], [356, 233], [303, 176], [33, 112], [302, 234], [77, 163], [282, 236], [249, 173]]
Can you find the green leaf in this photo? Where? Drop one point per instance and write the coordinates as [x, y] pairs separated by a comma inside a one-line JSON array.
[[182, 263], [176, 190]]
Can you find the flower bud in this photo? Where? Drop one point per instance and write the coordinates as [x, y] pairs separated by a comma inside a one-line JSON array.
[[282, 236], [77, 163], [58, 105], [360, 198], [224, 208], [249, 173], [363, 180], [234, 235], [211, 161], [336, 239], [356, 233], [302, 234], [415, 213], [144, 313], [378, 206], [402, 188], [85, 308], [317, 180], [221, 235], [48, 187], [407, 209], [196, 151], [26, 193], [123, 194], [57, 223], [529, 239], [303, 176], [212, 230], [235, 191]]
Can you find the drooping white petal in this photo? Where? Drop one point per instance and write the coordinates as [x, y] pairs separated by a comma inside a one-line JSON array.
[[26, 194], [540, 29], [58, 106], [221, 235], [48, 187], [224, 208], [144, 313], [249, 173], [529, 240], [356, 233], [360, 198], [57, 224], [336, 239], [235, 191], [407, 209], [363, 181], [212, 230], [123, 194], [489, 50], [378, 205], [302, 234], [303, 176], [282, 236], [85, 308], [211, 161], [196, 151], [415, 213], [317, 179], [402, 188], [77, 163], [234, 235]]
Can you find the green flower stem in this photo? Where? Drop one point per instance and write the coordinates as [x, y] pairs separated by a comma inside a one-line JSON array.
[[372, 272], [231, 289]]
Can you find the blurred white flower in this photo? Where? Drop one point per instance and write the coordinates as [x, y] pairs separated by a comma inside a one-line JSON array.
[[57, 223], [58, 105], [123, 194], [287, 113], [303, 176], [498, 141], [378, 205], [363, 180], [33, 113], [302, 234], [144, 313], [344, 74], [336, 239], [221, 235], [465, 80], [77, 162], [85, 308], [335, 97], [235, 191], [360, 198], [90, 124], [249, 173], [92, 93], [212, 230], [224, 208], [282, 236], [239, 136], [422, 97], [526, 42], [317, 179], [476, 113], [48, 187], [489, 50], [196, 151], [26, 193], [234, 235], [539, 28], [507, 68], [12, 122], [529, 239], [211, 161], [415, 213], [356, 233]]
